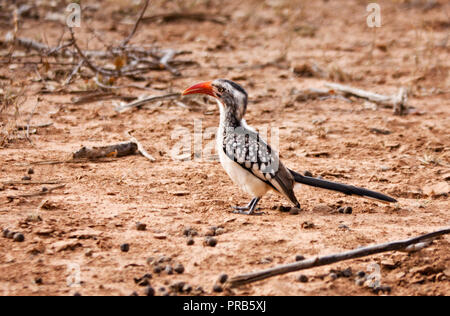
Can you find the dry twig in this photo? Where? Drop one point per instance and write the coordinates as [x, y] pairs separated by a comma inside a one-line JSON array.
[[326, 260]]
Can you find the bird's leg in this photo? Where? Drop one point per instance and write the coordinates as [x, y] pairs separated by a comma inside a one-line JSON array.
[[250, 207]]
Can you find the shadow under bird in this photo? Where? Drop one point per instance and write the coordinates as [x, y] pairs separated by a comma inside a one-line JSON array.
[[249, 161]]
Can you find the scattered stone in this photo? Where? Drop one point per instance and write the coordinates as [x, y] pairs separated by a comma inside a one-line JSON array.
[[190, 241], [347, 273], [125, 247], [89, 253], [10, 235], [157, 269], [18, 237], [26, 178], [382, 289], [284, 209], [308, 173], [210, 232], [149, 291], [220, 231], [44, 189], [223, 278], [333, 276], [303, 278], [190, 232], [345, 210], [141, 226], [177, 287], [308, 225], [134, 294], [169, 269], [38, 281], [343, 227], [5, 233], [294, 211], [299, 258], [179, 268], [160, 236], [33, 218], [30, 171], [361, 274], [187, 288], [211, 241], [217, 288], [77, 294]]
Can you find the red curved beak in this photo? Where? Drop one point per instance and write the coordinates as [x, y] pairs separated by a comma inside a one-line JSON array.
[[200, 88]]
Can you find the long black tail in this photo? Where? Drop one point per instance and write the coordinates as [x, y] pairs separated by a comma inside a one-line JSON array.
[[344, 188]]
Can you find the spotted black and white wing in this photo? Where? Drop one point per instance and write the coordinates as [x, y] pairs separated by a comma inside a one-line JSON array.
[[252, 153]]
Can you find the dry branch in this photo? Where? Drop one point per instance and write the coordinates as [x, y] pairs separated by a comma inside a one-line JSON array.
[[171, 17], [396, 101], [145, 100], [117, 150], [326, 260], [141, 148], [136, 25], [39, 193]]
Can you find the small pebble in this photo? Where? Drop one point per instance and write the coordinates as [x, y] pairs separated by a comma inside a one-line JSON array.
[[345, 210], [210, 232], [26, 178], [169, 269], [307, 225], [179, 268], [30, 171], [190, 241], [18, 237], [347, 273], [284, 209], [190, 232], [187, 288], [10, 235], [125, 247], [303, 278], [361, 274], [220, 231], [76, 294], [38, 281], [343, 227], [141, 226], [333, 276], [217, 288], [157, 269], [211, 241], [5, 233], [223, 278], [149, 291], [382, 288], [299, 258], [294, 211], [134, 294]]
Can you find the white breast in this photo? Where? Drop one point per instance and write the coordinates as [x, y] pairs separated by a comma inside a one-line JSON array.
[[240, 176]]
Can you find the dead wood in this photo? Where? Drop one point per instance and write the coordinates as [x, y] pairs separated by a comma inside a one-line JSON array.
[[330, 259], [117, 150], [173, 17], [144, 100], [39, 193], [396, 101]]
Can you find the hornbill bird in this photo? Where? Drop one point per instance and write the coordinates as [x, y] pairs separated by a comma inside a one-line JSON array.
[[249, 161]]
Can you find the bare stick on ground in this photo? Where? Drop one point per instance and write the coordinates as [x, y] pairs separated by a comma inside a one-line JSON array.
[[117, 150], [326, 260], [141, 148], [40, 193], [396, 101], [142, 101]]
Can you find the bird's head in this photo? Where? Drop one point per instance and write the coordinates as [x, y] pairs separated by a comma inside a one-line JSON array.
[[231, 95]]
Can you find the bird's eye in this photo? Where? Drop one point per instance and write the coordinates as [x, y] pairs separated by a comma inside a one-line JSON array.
[[220, 89]]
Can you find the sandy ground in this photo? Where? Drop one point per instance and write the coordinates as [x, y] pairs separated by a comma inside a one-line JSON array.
[[73, 235]]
